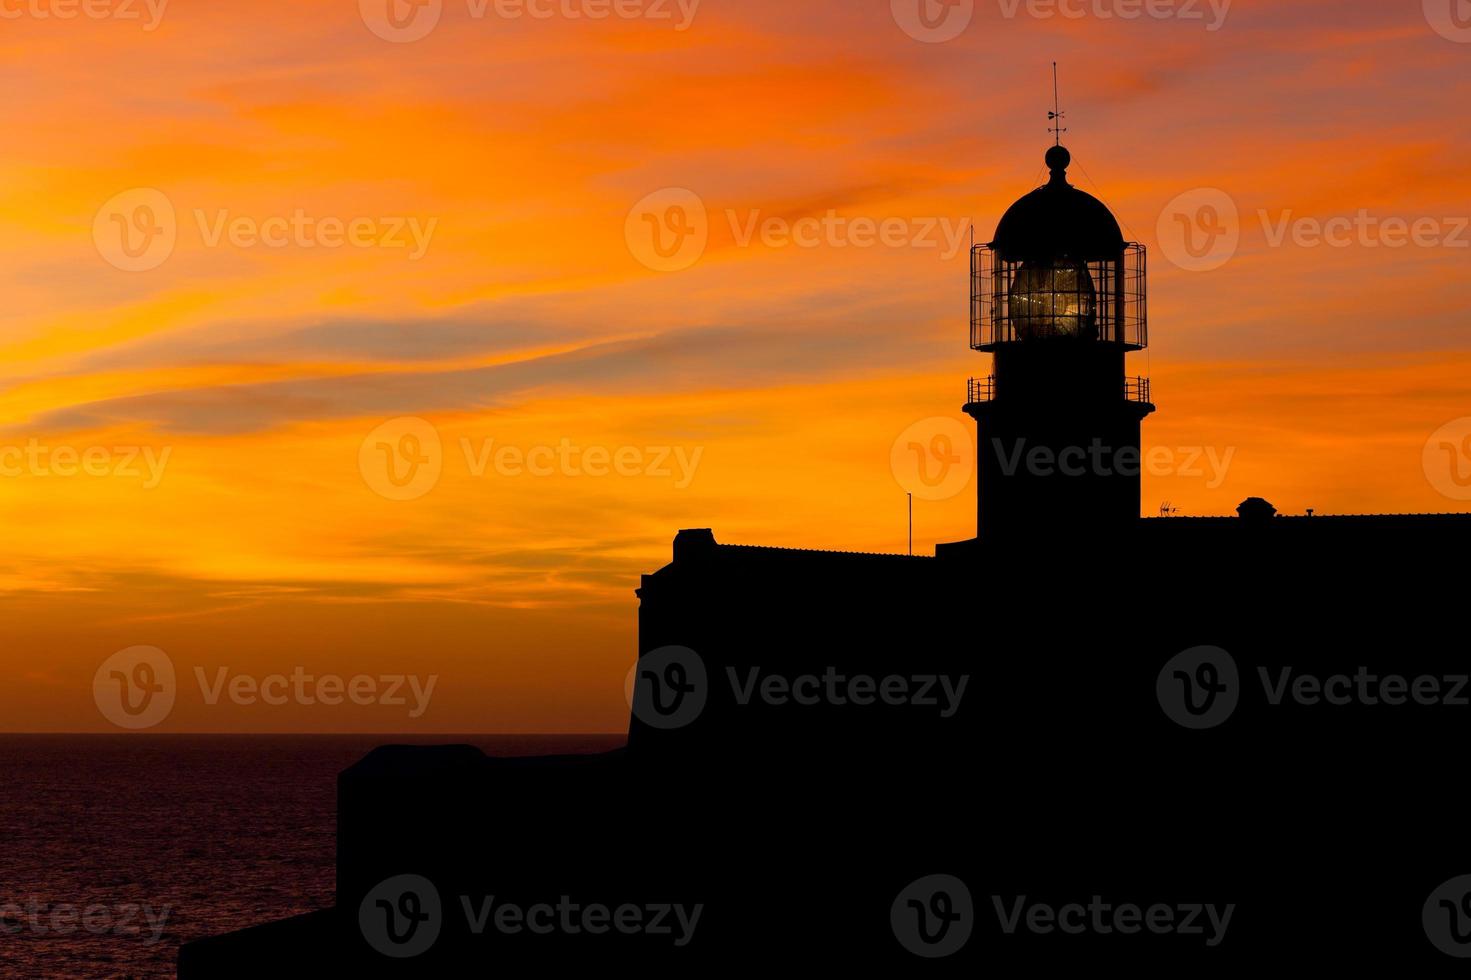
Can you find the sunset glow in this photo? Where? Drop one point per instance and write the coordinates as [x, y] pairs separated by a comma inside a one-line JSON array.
[[365, 231]]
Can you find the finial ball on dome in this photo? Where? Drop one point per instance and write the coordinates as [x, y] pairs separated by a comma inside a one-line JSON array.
[[1058, 159]]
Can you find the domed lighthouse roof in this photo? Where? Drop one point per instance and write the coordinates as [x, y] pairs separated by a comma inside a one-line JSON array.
[[1058, 221]]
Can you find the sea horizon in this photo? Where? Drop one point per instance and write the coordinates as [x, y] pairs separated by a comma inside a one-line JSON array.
[[124, 846]]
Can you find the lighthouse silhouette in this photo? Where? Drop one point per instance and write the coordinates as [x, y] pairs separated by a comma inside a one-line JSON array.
[[1058, 301], [1027, 750]]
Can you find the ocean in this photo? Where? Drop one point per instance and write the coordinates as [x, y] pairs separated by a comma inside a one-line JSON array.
[[115, 850]]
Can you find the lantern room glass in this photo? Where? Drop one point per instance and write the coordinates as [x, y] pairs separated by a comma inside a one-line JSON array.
[[1055, 299], [1038, 298]]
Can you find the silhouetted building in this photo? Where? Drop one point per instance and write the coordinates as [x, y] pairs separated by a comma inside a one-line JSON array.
[[1078, 704]]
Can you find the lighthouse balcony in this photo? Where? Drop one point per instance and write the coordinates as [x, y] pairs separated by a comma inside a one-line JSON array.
[[981, 391]]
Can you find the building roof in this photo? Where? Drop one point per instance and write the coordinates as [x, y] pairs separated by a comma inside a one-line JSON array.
[[1058, 221]]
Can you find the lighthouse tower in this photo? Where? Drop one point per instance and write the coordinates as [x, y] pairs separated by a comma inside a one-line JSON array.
[[1058, 301]]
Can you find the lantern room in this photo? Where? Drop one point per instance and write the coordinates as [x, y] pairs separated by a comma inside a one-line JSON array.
[[1058, 271]]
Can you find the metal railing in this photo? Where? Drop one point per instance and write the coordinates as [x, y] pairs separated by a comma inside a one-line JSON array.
[[1113, 289], [982, 390]]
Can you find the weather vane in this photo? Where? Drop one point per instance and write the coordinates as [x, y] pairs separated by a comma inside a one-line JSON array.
[[1056, 114]]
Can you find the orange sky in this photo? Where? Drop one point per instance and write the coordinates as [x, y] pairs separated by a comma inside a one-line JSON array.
[[228, 513]]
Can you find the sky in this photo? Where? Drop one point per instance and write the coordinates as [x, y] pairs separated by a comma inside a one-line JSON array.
[[346, 342]]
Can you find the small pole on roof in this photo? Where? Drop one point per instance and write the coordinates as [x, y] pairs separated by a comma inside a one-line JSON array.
[[1056, 114]]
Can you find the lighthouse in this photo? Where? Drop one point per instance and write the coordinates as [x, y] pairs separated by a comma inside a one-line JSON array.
[[1058, 302]]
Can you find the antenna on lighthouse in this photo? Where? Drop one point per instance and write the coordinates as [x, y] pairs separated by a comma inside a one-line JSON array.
[[1056, 115]]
